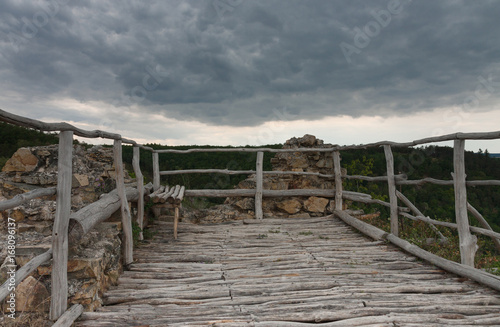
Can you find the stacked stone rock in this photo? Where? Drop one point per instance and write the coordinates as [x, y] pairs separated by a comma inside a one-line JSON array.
[[94, 263], [316, 162]]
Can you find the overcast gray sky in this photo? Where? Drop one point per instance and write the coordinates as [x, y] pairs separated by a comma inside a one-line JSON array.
[[254, 71]]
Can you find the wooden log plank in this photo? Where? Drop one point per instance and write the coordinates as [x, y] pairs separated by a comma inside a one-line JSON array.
[[82, 221], [69, 317], [174, 194], [452, 225], [25, 197], [25, 271], [446, 182], [298, 278], [392, 190], [59, 297], [327, 193], [246, 150], [459, 269], [434, 139], [468, 242], [338, 180], [413, 208], [155, 196], [259, 185], [156, 171], [206, 171], [180, 197], [140, 189], [483, 223], [128, 241]]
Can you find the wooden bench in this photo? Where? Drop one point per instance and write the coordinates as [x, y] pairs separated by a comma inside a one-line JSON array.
[[169, 197]]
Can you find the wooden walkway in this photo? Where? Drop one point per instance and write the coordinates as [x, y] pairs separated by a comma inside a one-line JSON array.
[[287, 272]]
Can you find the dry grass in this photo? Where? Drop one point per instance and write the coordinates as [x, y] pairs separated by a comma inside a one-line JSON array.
[[26, 319]]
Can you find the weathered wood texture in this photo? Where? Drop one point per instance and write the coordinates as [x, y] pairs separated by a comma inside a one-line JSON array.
[[417, 212], [392, 189], [286, 272], [468, 242], [128, 241], [156, 171], [56, 127], [25, 197], [459, 269], [259, 182], [140, 188], [82, 221], [483, 223], [69, 317], [59, 298], [169, 197], [338, 180], [25, 271]]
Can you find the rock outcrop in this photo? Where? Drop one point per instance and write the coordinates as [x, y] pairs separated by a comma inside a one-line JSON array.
[[315, 162]]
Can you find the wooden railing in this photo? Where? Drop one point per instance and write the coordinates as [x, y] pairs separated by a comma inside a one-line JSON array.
[[83, 220], [69, 226], [468, 242]]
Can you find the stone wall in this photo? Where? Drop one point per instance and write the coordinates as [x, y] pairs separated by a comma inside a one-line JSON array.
[[317, 162], [95, 263]]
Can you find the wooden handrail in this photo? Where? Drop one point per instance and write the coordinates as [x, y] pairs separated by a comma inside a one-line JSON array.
[[25, 197], [62, 127]]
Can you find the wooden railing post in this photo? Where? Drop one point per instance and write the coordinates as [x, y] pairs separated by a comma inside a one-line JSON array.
[[156, 171], [59, 299], [338, 180], [392, 190], [140, 188], [128, 242], [259, 185], [468, 242]]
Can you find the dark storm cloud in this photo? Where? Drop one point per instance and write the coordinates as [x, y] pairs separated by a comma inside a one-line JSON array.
[[237, 62]]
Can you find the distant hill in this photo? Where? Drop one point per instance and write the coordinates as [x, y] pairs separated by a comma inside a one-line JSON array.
[[494, 155]]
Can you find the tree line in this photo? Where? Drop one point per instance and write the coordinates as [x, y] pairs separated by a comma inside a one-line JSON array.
[[434, 201]]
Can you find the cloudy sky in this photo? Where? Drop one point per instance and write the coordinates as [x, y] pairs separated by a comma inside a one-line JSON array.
[[255, 71]]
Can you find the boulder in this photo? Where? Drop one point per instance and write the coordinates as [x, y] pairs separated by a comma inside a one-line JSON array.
[[315, 204], [290, 206], [32, 296], [246, 204], [79, 180], [22, 161], [307, 140]]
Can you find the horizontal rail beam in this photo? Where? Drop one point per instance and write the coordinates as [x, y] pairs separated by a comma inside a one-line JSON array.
[[474, 229], [442, 138], [206, 171], [61, 127], [24, 271], [447, 182], [400, 177], [245, 172], [69, 317], [245, 150], [214, 193], [457, 268], [25, 197]]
